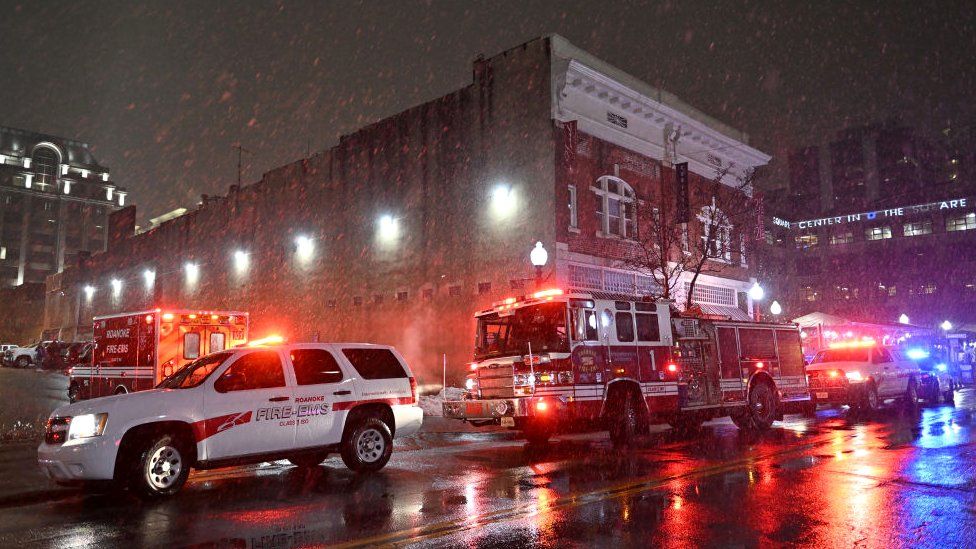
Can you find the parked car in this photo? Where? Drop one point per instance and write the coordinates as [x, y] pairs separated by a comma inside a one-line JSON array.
[[936, 385], [21, 357], [300, 402], [863, 375]]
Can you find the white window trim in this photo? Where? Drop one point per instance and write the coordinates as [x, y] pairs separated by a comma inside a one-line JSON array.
[[604, 195], [724, 238]]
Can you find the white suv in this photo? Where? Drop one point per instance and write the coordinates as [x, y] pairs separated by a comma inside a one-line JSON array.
[[244, 405], [863, 376]]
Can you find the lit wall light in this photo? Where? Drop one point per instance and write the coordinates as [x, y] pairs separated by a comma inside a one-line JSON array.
[[67, 187], [89, 292], [192, 273], [116, 287], [304, 248], [242, 260], [121, 199], [503, 201], [389, 228], [149, 276]]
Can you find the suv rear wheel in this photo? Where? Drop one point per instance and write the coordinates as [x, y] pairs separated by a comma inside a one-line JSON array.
[[161, 468], [23, 362], [911, 396], [367, 445]]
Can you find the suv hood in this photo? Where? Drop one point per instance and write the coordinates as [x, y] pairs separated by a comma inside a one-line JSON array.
[[106, 404], [843, 366]]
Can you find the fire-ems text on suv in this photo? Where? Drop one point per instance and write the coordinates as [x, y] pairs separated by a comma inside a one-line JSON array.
[[245, 405], [554, 361]]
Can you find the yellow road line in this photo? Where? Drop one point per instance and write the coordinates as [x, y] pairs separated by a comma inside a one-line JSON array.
[[448, 527]]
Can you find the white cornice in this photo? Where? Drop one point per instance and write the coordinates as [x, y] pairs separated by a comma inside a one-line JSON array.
[[586, 94]]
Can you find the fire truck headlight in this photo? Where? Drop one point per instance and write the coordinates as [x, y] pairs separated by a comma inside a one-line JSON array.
[[470, 384], [87, 426]]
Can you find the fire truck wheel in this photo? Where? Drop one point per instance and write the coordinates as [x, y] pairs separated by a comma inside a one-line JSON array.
[[624, 420], [762, 406], [367, 446], [308, 461], [161, 468]]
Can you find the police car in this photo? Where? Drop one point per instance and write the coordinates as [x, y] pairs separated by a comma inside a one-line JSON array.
[[863, 375], [300, 402]]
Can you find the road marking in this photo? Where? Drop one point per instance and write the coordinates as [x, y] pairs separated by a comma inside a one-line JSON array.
[[568, 501]]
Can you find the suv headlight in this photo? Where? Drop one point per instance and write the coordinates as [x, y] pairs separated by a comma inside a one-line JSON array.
[[87, 426], [854, 376]]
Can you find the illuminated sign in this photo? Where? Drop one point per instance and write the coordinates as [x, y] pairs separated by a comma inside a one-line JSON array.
[[876, 214]]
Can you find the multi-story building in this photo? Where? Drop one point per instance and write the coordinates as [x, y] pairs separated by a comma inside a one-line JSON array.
[[404, 229], [55, 201], [877, 224]]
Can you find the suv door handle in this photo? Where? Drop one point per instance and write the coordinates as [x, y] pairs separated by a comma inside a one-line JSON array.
[[277, 399], [342, 393]]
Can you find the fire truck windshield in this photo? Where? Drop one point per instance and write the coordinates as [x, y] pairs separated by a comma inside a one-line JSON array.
[[541, 326], [194, 373]]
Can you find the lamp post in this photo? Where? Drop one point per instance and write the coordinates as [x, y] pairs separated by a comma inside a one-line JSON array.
[[756, 294], [775, 308], [538, 256]]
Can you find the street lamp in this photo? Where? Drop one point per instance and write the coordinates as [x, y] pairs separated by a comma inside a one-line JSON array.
[[756, 294], [89, 292], [538, 256], [903, 319], [946, 325], [116, 287], [149, 276], [775, 308]]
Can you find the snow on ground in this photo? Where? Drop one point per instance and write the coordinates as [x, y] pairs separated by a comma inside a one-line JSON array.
[[27, 397], [431, 404]]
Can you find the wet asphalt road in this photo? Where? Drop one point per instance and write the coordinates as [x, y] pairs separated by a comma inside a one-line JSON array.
[[891, 481]]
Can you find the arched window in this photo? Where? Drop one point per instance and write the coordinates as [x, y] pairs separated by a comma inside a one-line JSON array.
[[615, 206], [45, 161], [716, 234]]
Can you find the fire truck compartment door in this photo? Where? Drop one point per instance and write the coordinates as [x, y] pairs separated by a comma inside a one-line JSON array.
[[249, 408]]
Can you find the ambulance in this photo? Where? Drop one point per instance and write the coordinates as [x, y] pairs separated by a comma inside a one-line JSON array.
[[135, 351]]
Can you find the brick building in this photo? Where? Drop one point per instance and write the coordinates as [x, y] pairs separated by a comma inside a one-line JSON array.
[[404, 229], [878, 223]]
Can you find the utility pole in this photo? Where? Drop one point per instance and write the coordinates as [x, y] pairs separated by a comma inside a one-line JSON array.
[[240, 155]]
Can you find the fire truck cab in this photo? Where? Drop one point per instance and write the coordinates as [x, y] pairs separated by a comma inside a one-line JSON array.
[[556, 362], [135, 351]]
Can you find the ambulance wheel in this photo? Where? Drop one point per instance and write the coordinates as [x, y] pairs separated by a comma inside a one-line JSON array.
[[162, 466], [367, 445], [308, 461]]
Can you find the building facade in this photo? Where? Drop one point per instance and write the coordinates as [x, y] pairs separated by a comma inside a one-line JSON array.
[[55, 201], [877, 224], [404, 229]]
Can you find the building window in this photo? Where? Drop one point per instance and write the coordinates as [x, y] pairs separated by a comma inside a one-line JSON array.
[[516, 283], [454, 291], [963, 222], [615, 206], [377, 299], [428, 294], [918, 228], [742, 250], [929, 288], [573, 216], [807, 293], [45, 162], [716, 234], [402, 296], [357, 301], [685, 243], [878, 233], [842, 238], [805, 241], [484, 288], [331, 304]]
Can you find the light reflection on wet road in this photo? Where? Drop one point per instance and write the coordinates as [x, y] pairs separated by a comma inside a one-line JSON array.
[[893, 480]]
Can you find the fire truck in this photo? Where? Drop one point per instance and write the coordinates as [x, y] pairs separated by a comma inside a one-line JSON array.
[[556, 362], [135, 351]]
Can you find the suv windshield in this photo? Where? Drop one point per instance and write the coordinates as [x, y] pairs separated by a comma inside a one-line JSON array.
[[194, 373], [541, 326], [841, 355]]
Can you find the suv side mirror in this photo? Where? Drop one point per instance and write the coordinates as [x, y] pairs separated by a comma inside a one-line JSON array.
[[230, 381]]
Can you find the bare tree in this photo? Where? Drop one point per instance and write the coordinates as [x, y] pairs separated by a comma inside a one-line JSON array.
[[670, 251]]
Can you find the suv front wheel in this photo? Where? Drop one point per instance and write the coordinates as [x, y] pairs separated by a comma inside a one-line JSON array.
[[367, 445], [162, 467]]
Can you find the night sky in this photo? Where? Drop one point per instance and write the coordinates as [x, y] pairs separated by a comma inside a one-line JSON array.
[[163, 91]]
